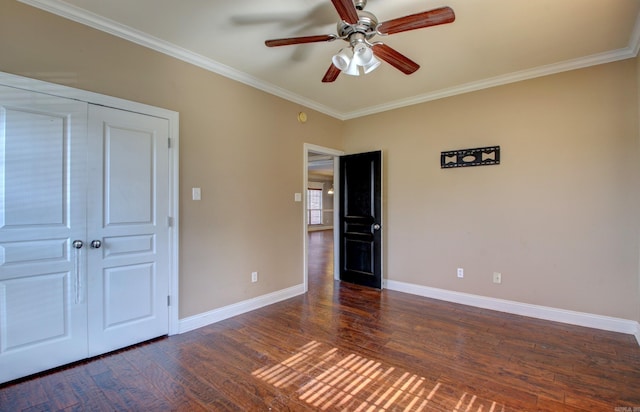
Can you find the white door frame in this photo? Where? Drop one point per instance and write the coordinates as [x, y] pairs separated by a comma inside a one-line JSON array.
[[308, 147], [114, 102]]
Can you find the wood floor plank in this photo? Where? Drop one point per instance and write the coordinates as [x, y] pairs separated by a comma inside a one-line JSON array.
[[342, 347], [59, 391], [203, 393], [174, 392], [90, 396]]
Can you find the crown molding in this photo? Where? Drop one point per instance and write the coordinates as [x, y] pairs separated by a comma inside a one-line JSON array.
[[95, 21], [103, 24], [593, 60]]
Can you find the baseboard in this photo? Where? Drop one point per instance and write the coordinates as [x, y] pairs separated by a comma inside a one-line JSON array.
[[216, 315], [524, 309], [517, 308], [312, 228]]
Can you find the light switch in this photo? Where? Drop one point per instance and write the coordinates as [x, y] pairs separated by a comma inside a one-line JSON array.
[[195, 193], [297, 197]]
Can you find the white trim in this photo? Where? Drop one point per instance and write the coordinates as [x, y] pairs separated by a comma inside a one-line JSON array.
[[53, 89], [95, 21], [634, 41], [173, 117], [524, 309], [174, 213], [203, 319]]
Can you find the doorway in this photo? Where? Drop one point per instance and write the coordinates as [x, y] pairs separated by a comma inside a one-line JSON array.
[[357, 238], [320, 215]]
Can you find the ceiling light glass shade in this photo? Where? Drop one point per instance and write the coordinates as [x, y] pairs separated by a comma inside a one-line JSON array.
[[342, 59], [353, 69], [362, 54], [372, 65]]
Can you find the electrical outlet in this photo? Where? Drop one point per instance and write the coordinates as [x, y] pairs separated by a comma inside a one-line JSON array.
[[460, 272], [254, 277], [497, 277]]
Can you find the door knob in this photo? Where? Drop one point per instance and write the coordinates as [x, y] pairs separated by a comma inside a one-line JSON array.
[[376, 227], [95, 244], [77, 244]]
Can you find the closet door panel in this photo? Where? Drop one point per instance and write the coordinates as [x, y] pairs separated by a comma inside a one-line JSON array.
[[128, 208], [43, 322]]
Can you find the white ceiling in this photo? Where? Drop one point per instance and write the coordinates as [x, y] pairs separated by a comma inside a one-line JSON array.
[[492, 42], [320, 166]]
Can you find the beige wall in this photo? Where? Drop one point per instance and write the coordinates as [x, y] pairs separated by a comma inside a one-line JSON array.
[[235, 142], [558, 217]]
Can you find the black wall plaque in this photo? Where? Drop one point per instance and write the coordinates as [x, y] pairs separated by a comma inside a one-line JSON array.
[[481, 156]]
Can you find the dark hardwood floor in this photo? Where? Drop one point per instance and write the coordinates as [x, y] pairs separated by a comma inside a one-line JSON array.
[[342, 347]]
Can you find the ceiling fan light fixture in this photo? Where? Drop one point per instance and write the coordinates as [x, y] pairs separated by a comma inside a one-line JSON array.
[[346, 63], [350, 61]]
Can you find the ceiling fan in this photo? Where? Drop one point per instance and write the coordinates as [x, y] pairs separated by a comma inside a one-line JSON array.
[[357, 27]]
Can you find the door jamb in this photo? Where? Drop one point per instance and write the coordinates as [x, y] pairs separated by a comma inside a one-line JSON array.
[[308, 147]]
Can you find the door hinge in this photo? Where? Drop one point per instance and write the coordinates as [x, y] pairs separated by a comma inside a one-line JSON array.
[[168, 300], [169, 221]]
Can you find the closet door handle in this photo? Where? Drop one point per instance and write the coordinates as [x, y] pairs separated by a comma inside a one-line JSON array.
[[95, 244], [77, 245]]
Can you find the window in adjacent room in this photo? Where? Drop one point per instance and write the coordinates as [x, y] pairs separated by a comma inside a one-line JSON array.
[[314, 206]]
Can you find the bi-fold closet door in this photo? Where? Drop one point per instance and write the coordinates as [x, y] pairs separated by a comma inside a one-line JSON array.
[[84, 236]]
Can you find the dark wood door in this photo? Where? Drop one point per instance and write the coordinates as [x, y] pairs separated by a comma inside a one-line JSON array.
[[361, 219]]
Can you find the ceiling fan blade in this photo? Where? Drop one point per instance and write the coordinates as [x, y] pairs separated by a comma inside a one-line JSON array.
[[395, 58], [346, 10], [299, 40], [331, 75], [442, 15]]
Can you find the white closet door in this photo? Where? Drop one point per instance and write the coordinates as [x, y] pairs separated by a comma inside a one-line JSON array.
[[43, 312], [128, 195]]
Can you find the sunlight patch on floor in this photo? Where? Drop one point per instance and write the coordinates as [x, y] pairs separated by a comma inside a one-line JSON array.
[[328, 379]]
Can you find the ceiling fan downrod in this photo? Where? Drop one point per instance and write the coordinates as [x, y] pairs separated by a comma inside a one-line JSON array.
[[360, 4]]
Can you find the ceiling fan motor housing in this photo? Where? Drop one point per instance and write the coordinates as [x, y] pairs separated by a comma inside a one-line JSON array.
[[366, 26]]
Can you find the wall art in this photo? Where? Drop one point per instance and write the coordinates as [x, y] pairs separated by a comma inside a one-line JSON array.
[[481, 156]]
